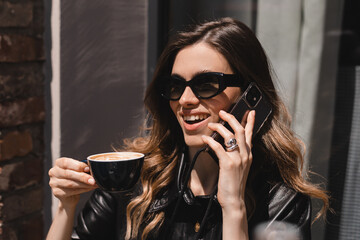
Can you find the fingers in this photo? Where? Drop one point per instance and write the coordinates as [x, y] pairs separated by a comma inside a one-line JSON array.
[[244, 118], [72, 164], [245, 128], [223, 131], [65, 185], [243, 132], [62, 193], [71, 169], [65, 176], [60, 173], [249, 128], [218, 149], [227, 159], [69, 177]]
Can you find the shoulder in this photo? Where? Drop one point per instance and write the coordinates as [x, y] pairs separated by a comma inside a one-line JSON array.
[[284, 202], [288, 205]]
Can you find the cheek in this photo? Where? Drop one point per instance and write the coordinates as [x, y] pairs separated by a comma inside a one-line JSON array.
[[232, 95], [173, 106], [224, 102]]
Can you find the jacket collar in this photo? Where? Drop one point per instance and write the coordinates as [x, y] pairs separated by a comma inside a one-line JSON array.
[[174, 189]]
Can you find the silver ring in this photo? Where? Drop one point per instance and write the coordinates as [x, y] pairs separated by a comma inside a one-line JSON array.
[[232, 148], [231, 142], [231, 145]]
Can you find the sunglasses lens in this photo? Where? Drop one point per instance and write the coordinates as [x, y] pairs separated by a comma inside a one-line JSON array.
[[174, 88], [206, 85]]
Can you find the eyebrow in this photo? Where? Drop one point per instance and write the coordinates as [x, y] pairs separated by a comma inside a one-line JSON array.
[[195, 75]]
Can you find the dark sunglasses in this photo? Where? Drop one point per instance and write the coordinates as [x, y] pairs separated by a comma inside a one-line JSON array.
[[204, 85]]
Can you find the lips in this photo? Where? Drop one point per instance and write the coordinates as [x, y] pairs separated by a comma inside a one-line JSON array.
[[195, 122], [195, 118]]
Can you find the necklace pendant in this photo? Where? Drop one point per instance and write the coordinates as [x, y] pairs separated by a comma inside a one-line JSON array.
[[197, 226]]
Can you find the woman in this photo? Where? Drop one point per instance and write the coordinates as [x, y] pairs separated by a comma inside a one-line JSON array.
[[258, 179]]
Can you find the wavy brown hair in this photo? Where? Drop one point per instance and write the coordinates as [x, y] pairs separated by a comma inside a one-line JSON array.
[[163, 141]]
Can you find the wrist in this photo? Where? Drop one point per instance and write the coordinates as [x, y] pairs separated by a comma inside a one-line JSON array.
[[235, 225], [233, 204], [235, 210], [67, 206]]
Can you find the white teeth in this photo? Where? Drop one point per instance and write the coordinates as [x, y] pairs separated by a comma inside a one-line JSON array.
[[195, 117]]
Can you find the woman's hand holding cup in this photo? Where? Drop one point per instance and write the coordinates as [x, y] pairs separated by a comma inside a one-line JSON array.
[[68, 179], [112, 172]]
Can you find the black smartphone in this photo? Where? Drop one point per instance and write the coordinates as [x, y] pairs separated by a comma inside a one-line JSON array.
[[251, 99]]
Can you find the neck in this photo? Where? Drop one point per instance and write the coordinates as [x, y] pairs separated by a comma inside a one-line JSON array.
[[204, 174]]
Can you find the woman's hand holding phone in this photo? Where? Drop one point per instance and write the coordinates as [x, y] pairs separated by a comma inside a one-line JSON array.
[[234, 168], [234, 165]]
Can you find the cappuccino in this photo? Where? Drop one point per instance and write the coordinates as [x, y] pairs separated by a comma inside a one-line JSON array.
[[116, 171], [115, 156]]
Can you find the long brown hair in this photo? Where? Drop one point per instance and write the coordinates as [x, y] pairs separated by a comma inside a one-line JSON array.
[[164, 141]]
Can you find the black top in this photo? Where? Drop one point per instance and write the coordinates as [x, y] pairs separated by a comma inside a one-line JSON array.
[[104, 215]]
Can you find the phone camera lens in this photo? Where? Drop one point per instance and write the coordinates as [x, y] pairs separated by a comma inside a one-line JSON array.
[[253, 96]]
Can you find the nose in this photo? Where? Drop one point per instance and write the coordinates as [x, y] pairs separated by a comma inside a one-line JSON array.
[[188, 97]]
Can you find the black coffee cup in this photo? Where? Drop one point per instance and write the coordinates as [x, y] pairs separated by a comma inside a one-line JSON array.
[[116, 171]]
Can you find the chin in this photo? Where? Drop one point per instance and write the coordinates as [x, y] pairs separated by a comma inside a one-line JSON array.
[[194, 141]]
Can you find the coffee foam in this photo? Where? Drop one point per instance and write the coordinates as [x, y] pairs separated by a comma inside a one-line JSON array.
[[116, 156]]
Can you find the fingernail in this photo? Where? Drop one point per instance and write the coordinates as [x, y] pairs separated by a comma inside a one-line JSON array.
[[222, 111], [91, 181], [86, 169]]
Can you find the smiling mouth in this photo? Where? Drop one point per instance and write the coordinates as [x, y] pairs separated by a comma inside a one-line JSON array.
[[192, 119]]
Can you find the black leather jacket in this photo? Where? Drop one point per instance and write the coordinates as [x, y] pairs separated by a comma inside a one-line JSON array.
[[104, 215]]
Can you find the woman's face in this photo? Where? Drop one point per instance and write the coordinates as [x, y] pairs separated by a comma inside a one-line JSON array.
[[194, 114]]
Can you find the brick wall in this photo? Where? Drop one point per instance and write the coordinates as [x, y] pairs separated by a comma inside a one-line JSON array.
[[22, 117]]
